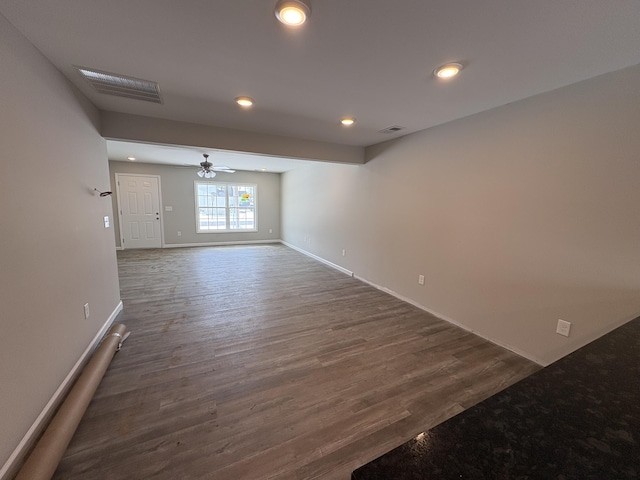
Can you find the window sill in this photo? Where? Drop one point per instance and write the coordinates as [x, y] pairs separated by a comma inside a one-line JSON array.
[[208, 232]]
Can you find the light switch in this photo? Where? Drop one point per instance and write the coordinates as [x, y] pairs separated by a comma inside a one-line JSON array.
[[106, 221]]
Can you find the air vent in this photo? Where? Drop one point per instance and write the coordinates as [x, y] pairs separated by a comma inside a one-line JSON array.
[[392, 129], [122, 86]]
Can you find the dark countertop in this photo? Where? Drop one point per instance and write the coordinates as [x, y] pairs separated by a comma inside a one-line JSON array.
[[578, 418]]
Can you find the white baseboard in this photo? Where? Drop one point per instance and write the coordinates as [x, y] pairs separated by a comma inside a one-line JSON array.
[[9, 469], [215, 244], [511, 348], [319, 259], [119, 248]]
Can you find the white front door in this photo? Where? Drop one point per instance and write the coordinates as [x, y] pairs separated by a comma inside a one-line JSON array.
[[139, 207]]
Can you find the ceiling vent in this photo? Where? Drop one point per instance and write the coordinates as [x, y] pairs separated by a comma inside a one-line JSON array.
[[392, 129], [122, 86]]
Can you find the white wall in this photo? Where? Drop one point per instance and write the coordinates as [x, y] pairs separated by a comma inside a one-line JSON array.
[[178, 192], [517, 216], [124, 126], [55, 254]]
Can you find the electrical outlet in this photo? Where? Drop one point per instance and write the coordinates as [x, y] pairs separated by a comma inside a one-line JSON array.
[[106, 221], [86, 311], [271, 230], [344, 252], [179, 233], [420, 279], [563, 328]]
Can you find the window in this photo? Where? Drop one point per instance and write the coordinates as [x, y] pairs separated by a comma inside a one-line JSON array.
[[225, 207]]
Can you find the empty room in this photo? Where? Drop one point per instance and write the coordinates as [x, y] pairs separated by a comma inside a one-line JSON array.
[[320, 240]]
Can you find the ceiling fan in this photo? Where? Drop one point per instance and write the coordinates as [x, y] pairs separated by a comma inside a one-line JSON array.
[[207, 169]]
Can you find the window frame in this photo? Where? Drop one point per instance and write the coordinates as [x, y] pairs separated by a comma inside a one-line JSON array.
[[227, 207]]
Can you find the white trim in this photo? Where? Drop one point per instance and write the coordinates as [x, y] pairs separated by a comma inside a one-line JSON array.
[[36, 428], [118, 205], [320, 259], [119, 248], [215, 244], [511, 348], [227, 207]]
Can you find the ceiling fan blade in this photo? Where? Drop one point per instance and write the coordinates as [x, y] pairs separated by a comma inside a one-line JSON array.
[[223, 168], [207, 169]]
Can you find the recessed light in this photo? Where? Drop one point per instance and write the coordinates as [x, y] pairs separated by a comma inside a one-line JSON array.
[[449, 70], [244, 101], [348, 121], [293, 12], [131, 158], [263, 169]]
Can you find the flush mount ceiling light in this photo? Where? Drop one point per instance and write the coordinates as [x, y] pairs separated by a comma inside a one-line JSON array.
[[293, 12], [131, 158], [448, 70], [245, 102], [348, 121]]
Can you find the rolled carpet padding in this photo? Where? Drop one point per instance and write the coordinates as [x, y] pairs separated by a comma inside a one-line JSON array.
[[43, 460]]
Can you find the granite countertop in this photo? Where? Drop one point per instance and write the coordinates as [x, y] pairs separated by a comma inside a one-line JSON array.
[[578, 418]]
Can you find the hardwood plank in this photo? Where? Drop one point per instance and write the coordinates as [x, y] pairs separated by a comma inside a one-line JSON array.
[[256, 362]]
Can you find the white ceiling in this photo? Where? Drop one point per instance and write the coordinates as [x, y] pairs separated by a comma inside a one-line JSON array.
[[372, 59], [174, 155]]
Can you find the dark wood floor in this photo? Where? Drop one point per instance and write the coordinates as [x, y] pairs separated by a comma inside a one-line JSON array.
[[256, 362]]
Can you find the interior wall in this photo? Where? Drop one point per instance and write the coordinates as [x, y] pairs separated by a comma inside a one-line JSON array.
[[55, 254], [177, 190], [517, 217], [137, 128]]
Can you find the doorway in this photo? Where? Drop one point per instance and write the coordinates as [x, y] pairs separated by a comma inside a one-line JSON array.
[[138, 199]]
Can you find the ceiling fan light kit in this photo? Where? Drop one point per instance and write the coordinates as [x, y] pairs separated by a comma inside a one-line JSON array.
[[203, 174], [207, 169]]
